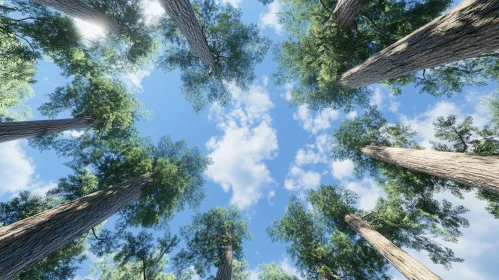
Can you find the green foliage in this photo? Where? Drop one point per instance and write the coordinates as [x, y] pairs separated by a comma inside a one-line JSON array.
[[320, 249], [136, 45], [59, 265], [464, 137], [371, 129], [75, 186], [318, 51], [207, 237], [240, 270], [134, 256], [492, 104], [236, 47], [404, 226], [271, 271]]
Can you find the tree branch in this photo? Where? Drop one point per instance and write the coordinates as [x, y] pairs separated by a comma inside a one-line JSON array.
[[93, 231]]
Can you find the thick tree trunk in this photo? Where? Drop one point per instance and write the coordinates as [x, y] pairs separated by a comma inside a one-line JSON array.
[[80, 10], [346, 12], [225, 268], [28, 241], [10, 131], [183, 15], [479, 171], [403, 262], [467, 31]]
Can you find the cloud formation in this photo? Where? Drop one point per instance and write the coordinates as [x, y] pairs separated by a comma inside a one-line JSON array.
[[247, 140]]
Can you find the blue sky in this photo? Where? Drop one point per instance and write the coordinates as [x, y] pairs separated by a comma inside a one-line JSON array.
[[264, 151]]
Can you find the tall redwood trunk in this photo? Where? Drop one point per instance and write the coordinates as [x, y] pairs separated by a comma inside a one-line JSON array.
[[481, 171], [467, 31], [183, 15], [10, 131], [403, 262], [346, 11], [80, 10], [225, 268], [28, 241]]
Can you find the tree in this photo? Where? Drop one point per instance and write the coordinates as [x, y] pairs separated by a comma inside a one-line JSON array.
[[472, 170], [213, 239], [372, 129], [394, 225], [61, 264], [10, 131], [183, 15], [136, 256], [272, 271], [467, 31], [318, 51], [172, 178], [324, 252], [346, 11], [236, 49], [79, 9]]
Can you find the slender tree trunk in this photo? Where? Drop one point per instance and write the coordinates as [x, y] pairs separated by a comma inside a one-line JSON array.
[[346, 12], [183, 15], [403, 262], [80, 10], [10, 131], [467, 31], [225, 269], [480, 171], [28, 241]]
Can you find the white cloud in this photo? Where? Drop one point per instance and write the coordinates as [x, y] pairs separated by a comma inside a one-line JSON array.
[[321, 121], [300, 179], [342, 169], [270, 18], [351, 115], [134, 80], [377, 98], [367, 190], [270, 195], [17, 171], [288, 267], [423, 123], [394, 106], [89, 31], [234, 3], [248, 140], [153, 11]]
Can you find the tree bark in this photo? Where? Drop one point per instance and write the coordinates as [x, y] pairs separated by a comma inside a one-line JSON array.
[[403, 262], [346, 11], [480, 171], [183, 15], [80, 10], [225, 268], [28, 241], [467, 31], [10, 131]]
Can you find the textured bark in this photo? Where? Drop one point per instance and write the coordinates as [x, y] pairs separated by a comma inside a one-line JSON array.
[[225, 268], [28, 241], [467, 31], [403, 262], [480, 171], [80, 10], [346, 12], [183, 15], [10, 131]]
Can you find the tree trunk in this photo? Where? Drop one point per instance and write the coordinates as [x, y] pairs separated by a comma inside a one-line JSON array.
[[480, 171], [225, 268], [80, 10], [10, 131], [28, 241], [467, 31], [346, 12], [183, 15], [403, 262]]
